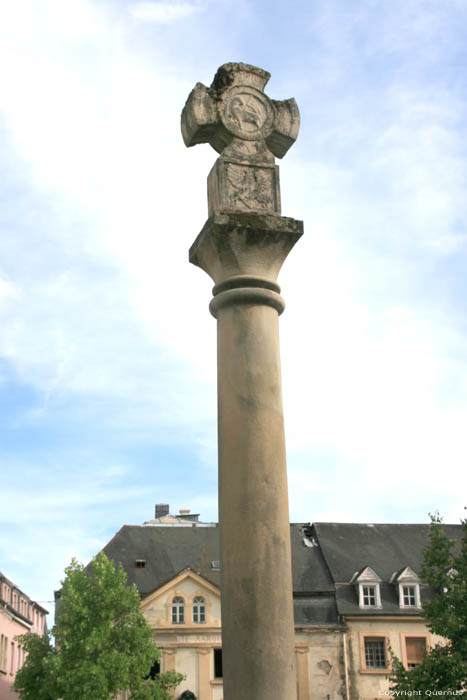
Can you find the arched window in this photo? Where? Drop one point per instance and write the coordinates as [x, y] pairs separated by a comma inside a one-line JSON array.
[[178, 610], [199, 609]]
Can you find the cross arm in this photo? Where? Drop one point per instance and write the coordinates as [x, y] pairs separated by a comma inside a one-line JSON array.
[[200, 122], [286, 126]]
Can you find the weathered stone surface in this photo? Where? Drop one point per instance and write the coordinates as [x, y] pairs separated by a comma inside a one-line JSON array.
[[239, 186], [242, 247], [233, 244], [236, 106], [248, 129]]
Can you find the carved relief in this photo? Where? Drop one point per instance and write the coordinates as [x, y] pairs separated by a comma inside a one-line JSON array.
[[235, 107], [249, 187], [246, 113], [248, 129], [243, 187]]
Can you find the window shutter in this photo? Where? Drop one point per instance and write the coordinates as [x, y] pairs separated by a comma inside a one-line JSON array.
[[416, 648]]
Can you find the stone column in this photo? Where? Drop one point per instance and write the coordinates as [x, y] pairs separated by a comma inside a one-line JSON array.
[[204, 673], [168, 659], [303, 672], [169, 662], [242, 247]]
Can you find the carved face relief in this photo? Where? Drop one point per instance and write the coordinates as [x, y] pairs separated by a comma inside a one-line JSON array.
[[247, 113]]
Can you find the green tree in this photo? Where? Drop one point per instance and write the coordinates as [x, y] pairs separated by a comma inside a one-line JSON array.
[[36, 678], [103, 644], [444, 667]]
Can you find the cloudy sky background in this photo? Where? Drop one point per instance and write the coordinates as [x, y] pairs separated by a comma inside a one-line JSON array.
[[107, 348]]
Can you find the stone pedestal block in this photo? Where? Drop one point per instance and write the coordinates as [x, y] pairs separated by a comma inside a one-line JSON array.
[[247, 187]]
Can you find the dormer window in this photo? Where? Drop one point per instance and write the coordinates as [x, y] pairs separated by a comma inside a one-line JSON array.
[[367, 583], [408, 585], [369, 596], [409, 596]]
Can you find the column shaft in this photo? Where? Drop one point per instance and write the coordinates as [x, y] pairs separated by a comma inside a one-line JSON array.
[[303, 674], [204, 676], [257, 604]]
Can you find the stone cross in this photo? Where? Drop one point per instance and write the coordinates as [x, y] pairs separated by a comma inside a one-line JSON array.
[[242, 247], [248, 129]]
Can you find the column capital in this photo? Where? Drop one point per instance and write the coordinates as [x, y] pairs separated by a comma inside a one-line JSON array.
[[233, 244], [204, 650], [302, 649], [169, 651]]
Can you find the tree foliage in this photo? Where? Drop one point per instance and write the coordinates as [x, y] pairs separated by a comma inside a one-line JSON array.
[[444, 668], [103, 644], [35, 680]]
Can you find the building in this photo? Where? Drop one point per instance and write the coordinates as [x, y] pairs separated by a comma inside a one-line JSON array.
[[379, 597], [356, 592], [18, 615]]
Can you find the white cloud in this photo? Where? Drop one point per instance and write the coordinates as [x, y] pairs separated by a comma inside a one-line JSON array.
[[8, 293], [101, 153], [163, 12]]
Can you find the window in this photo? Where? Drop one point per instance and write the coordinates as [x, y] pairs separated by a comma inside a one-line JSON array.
[[367, 583], [140, 563], [415, 650], [409, 587], [3, 651], [408, 593], [216, 564], [217, 663], [369, 596], [375, 652], [178, 610], [12, 657], [199, 610]]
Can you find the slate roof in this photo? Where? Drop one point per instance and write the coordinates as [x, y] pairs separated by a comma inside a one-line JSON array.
[[325, 556], [169, 550], [349, 547], [14, 588]]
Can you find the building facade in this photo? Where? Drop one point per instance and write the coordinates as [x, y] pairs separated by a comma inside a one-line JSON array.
[[379, 598], [18, 615], [356, 594]]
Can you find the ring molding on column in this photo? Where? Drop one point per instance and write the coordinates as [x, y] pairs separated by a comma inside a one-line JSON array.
[[247, 295], [245, 281]]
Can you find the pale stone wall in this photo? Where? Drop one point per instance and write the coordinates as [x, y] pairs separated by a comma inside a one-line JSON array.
[[187, 664], [157, 607], [368, 684], [319, 664], [327, 661], [217, 692]]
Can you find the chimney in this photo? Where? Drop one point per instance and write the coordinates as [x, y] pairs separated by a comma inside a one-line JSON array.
[[162, 509]]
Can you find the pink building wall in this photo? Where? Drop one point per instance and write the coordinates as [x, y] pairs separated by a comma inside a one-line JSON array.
[[18, 615]]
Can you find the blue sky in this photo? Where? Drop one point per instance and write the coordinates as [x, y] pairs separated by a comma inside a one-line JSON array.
[[107, 348]]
